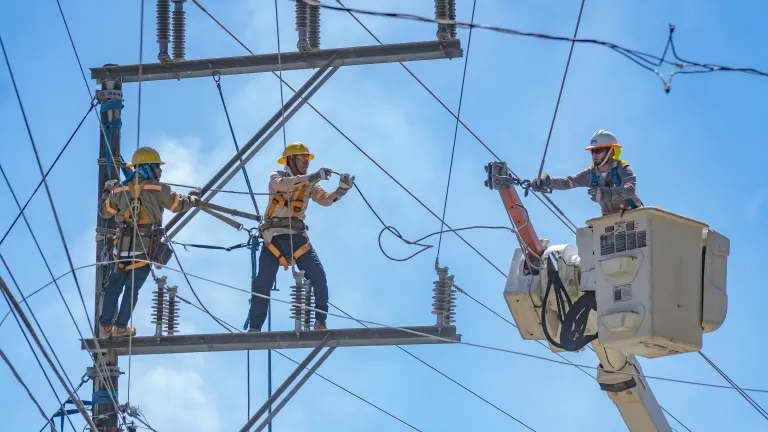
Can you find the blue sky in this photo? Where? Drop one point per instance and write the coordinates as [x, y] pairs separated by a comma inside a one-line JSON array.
[[696, 152]]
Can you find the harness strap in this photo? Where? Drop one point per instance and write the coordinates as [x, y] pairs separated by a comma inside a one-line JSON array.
[[278, 200], [617, 182], [298, 253]]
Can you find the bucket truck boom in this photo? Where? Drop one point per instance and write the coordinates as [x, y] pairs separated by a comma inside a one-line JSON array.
[[643, 282]]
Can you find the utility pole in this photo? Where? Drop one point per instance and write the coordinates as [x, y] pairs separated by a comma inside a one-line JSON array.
[[110, 98]]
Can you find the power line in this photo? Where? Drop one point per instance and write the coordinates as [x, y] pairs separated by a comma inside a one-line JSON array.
[[232, 329], [456, 128], [31, 396], [642, 59], [562, 86], [445, 375], [760, 410]]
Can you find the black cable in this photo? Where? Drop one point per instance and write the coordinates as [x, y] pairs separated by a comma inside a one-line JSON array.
[[217, 79], [24, 207], [34, 353], [562, 86], [456, 129], [233, 329], [29, 393], [442, 373]]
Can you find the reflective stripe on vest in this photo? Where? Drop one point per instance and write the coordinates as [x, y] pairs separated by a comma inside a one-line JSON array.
[[616, 182]]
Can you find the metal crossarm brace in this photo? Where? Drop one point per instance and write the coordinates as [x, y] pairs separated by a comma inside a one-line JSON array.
[[295, 389], [284, 386], [387, 53], [281, 117]]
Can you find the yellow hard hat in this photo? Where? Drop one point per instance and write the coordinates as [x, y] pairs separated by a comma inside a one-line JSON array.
[[145, 155], [295, 148]]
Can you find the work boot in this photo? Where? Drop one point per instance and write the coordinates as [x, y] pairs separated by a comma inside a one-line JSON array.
[[105, 332], [254, 330], [119, 332], [320, 326]]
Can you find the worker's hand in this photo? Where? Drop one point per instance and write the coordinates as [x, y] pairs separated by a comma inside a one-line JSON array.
[[599, 194], [196, 192], [321, 174], [194, 200], [541, 184], [109, 185], [346, 181]]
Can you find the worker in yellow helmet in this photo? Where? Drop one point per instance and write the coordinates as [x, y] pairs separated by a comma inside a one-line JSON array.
[[137, 206], [611, 181], [285, 233]]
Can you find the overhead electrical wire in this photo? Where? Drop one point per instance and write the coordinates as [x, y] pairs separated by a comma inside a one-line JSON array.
[[760, 410], [232, 329], [642, 59], [29, 392], [455, 129]]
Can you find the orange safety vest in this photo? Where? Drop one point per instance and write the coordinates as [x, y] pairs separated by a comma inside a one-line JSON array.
[[297, 204]]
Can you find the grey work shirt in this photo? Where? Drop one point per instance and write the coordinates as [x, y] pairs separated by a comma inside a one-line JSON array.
[[614, 198]]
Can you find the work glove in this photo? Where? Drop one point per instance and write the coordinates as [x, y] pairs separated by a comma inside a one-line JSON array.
[[196, 192], [541, 184], [345, 183], [194, 200], [109, 185], [321, 174]]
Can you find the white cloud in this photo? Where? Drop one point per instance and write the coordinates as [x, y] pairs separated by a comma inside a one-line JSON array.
[[176, 400]]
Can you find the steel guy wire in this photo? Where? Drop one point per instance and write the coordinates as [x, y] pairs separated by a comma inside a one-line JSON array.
[[644, 60], [47, 189], [232, 329], [562, 86], [455, 129], [675, 418], [31, 348], [445, 375], [487, 347], [29, 393]]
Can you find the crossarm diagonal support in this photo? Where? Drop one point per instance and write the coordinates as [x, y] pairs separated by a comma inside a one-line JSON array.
[[254, 144], [373, 54], [229, 221], [295, 389], [283, 387]]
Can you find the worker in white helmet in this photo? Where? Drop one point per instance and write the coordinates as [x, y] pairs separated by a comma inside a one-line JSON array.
[[610, 180]]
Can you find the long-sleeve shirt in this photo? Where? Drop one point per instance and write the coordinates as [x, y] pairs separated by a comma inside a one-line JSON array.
[[293, 189], [155, 197], [614, 198]]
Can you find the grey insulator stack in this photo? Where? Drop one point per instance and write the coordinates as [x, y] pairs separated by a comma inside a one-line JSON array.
[[163, 29], [179, 30], [302, 299], [445, 10], [172, 323], [302, 25], [314, 27], [444, 305], [158, 306]]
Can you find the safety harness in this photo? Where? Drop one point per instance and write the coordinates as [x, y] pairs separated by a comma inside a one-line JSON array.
[[143, 224], [629, 202], [292, 223]]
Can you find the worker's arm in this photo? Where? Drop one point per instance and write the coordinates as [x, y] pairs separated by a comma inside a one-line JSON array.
[[320, 196], [279, 183], [582, 179], [627, 188], [172, 201], [109, 204]]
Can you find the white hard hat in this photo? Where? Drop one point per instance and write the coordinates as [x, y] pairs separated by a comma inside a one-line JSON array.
[[603, 139]]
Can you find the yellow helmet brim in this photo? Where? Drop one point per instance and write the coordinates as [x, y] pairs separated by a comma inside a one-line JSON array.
[[283, 160]]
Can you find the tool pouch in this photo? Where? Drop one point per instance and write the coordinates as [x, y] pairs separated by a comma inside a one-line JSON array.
[[160, 252]]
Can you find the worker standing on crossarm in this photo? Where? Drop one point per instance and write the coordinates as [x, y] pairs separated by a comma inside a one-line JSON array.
[[141, 198], [610, 180], [285, 233]]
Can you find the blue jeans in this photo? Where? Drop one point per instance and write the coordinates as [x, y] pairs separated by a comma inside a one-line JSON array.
[[268, 266], [119, 281]]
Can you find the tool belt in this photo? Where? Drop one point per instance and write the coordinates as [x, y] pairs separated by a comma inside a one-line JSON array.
[[149, 238]]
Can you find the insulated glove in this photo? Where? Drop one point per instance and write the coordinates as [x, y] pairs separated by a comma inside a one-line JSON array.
[[109, 185], [599, 194], [346, 181], [196, 192], [541, 184], [321, 174]]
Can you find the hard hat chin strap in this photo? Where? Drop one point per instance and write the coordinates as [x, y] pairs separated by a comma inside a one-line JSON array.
[[608, 157]]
